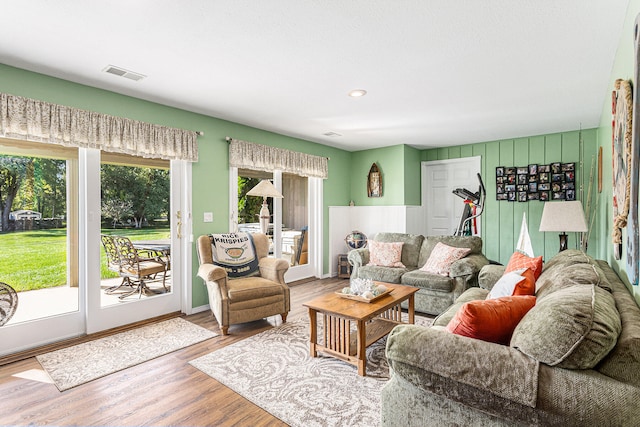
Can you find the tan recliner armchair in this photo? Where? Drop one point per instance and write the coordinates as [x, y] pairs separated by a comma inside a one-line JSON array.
[[245, 299]]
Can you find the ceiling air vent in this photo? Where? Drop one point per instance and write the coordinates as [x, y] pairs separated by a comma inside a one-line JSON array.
[[331, 134], [111, 69]]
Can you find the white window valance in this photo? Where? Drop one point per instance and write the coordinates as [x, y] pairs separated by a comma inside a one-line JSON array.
[[40, 121], [248, 155]]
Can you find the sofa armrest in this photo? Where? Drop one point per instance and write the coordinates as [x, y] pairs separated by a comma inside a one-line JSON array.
[[416, 353], [489, 275], [357, 258], [273, 269], [468, 266]]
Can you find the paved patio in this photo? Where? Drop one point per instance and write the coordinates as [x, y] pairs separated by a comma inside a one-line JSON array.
[[48, 302]]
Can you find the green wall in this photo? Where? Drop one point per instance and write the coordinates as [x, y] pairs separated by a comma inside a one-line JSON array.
[[211, 172], [400, 169], [622, 69], [501, 220]]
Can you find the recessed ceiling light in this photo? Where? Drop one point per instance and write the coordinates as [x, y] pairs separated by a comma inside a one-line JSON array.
[[356, 93]]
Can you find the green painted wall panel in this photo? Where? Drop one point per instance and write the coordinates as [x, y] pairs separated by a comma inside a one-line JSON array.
[[211, 172], [490, 218]]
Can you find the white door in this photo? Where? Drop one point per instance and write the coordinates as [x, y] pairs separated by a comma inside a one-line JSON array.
[[443, 209], [130, 310]]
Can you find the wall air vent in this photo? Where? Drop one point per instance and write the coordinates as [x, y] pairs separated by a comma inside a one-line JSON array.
[[117, 71], [331, 134]]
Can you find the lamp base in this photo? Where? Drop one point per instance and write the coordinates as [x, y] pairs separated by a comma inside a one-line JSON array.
[[563, 241], [265, 216]]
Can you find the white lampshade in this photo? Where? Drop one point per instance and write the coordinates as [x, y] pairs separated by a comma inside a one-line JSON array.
[[265, 189], [563, 217]]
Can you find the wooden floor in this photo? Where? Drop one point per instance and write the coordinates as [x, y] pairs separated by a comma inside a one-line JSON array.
[[166, 391]]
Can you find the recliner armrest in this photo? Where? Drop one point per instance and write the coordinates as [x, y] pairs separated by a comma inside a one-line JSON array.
[[498, 369], [469, 265], [273, 269], [211, 272]]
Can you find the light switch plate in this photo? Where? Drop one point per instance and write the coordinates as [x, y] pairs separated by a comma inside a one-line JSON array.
[[208, 217]]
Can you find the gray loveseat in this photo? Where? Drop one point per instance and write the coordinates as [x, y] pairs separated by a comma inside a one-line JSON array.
[[573, 360], [436, 292]]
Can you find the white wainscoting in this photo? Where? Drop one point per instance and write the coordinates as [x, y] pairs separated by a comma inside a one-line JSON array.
[[369, 220]]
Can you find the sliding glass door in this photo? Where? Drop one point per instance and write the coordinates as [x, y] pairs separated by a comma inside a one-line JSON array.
[[55, 208], [293, 226], [39, 243]]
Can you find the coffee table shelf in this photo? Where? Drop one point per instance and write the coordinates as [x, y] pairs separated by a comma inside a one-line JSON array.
[[349, 327]]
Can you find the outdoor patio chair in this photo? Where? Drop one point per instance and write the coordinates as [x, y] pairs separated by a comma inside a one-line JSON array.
[[113, 263], [136, 268]]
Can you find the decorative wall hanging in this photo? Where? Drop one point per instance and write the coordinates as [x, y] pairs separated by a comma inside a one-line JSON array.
[[374, 182], [633, 239], [621, 109], [555, 181]]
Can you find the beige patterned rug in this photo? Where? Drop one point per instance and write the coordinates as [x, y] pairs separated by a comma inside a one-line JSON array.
[[72, 366], [274, 370]]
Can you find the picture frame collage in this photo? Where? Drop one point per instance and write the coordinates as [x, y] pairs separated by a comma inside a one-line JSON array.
[[555, 181]]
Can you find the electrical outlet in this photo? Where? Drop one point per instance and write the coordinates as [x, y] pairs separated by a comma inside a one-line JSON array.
[[208, 217]]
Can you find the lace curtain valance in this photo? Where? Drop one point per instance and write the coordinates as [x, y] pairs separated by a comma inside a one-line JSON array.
[[247, 155], [41, 121]]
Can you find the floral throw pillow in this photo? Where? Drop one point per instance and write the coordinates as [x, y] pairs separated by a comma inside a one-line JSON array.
[[442, 257], [383, 254]]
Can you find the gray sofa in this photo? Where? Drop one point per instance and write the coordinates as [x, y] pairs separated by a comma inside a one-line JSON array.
[[573, 360], [436, 292]]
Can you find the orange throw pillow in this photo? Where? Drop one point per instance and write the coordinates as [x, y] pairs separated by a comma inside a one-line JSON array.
[[519, 261], [492, 320]]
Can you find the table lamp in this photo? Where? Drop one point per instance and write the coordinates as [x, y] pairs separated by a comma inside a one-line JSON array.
[[265, 189], [563, 217]]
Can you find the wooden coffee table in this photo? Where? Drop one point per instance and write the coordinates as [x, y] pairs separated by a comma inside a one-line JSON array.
[[373, 321]]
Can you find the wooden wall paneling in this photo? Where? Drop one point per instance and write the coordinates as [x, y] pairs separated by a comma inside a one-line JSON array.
[[454, 152], [520, 158], [506, 208], [466, 151], [552, 153], [536, 156], [491, 217], [591, 147], [571, 153], [443, 153]]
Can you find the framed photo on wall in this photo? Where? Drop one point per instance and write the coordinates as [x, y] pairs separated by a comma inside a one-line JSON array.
[[554, 181]]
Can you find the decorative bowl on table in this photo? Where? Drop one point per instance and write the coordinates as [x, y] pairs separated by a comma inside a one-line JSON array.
[[365, 290]]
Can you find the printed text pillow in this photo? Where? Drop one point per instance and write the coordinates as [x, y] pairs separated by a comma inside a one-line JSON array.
[[383, 254], [442, 257]]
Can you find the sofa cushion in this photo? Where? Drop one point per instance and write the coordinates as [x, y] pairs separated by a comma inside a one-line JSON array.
[[569, 257], [382, 274], [411, 248], [385, 254], [441, 258], [563, 276], [519, 260], [424, 280], [472, 242], [471, 294], [519, 282], [571, 328], [491, 320]]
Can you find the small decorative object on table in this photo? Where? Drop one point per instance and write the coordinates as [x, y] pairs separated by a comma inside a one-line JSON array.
[[365, 290]]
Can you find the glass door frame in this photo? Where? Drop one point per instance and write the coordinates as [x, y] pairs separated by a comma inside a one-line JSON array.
[[315, 212], [99, 317], [38, 332]]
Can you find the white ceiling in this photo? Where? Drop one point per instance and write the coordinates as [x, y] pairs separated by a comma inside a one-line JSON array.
[[437, 73]]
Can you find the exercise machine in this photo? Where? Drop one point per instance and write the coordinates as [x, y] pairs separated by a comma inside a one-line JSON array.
[[473, 208]]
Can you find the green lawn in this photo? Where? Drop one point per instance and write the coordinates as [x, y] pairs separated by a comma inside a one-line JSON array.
[[38, 259]]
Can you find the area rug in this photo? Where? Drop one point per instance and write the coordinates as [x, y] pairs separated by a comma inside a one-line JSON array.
[[72, 366], [274, 370]]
